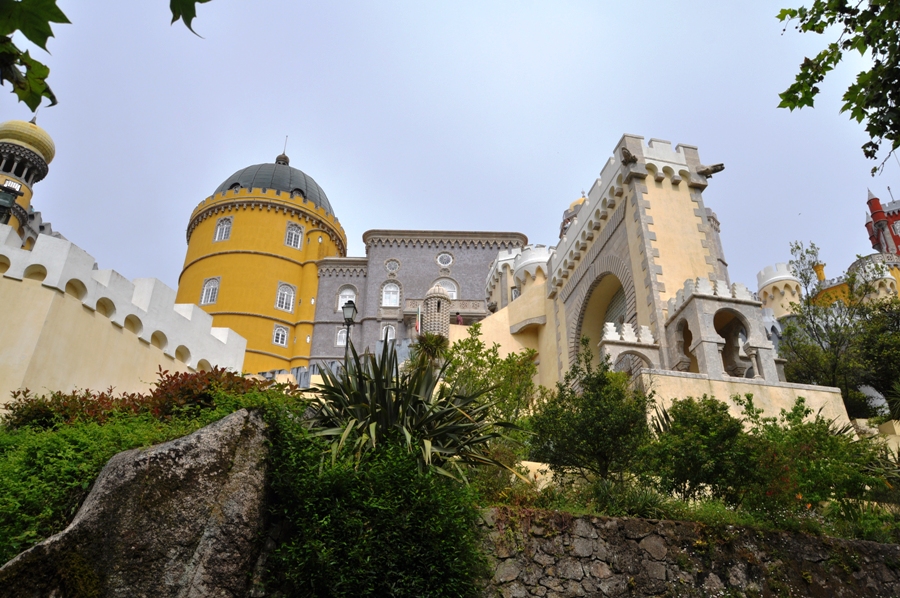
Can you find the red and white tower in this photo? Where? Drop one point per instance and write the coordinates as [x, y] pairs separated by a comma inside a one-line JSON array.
[[883, 225]]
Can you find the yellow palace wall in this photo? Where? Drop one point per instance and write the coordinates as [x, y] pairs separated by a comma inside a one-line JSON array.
[[51, 341], [253, 262]]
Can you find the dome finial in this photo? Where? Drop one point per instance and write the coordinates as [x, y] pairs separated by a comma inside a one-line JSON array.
[[282, 157]]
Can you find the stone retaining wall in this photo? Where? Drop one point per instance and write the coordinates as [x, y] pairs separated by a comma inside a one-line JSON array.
[[552, 554]]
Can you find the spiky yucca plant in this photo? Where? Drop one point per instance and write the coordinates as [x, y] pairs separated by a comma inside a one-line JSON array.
[[372, 401]]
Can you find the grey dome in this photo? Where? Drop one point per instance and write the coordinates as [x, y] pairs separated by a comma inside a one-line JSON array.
[[280, 177]]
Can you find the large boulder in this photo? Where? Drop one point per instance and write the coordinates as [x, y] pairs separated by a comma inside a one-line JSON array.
[[181, 519]]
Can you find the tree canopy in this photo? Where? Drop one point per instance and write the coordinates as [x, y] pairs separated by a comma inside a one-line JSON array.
[[34, 19], [865, 26]]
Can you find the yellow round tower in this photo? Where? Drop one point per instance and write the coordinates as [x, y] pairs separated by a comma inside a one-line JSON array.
[[252, 256], [25, 151]]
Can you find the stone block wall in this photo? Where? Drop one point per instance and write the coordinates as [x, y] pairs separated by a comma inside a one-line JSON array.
[[555, 555]]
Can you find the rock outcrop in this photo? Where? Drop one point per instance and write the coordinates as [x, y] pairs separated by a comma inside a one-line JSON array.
[[183, 519]]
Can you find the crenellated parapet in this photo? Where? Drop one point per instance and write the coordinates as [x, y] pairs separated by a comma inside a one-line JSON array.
[[531, 260], [629, 339], [145, 307], [315, 217], [600, 213], [778, 287], [343, 267], [718, 330], [709, 288], [443, 239]]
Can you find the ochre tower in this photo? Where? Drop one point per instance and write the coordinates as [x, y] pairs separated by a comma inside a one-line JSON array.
[[25, 151], [252, 256]]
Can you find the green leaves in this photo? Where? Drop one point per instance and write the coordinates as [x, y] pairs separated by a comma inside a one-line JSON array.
[[30, 17], [33, 19], [593, 424], [867, 26], [371, 402], [186, 10]]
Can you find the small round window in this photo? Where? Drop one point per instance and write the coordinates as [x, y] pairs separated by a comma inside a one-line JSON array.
[[444, 259], [392, 266]]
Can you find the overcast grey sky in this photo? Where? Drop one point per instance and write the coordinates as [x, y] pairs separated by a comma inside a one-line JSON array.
[[440, 115]]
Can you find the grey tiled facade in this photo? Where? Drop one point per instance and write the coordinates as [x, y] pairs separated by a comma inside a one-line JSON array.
[[408, 259]]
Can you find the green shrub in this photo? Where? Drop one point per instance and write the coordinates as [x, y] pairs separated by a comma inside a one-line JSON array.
[[801, 461], [625, 498], [381, 529], [594, 424], [45, 474], [372, 401], [172, 394], [700, 450]]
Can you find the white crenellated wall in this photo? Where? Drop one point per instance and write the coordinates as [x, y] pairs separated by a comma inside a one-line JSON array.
[[531, 259], [145, 306]]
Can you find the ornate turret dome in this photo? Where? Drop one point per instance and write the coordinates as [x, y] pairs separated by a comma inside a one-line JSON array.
[[30, 136], [281, 177]]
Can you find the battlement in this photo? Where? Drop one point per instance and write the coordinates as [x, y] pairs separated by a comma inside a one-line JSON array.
[[145, 306], [706, 287], [506, 258], [776, 273], [627, 333], [531, 259]]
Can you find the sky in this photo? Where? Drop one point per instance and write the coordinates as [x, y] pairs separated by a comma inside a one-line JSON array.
[[441, 116]]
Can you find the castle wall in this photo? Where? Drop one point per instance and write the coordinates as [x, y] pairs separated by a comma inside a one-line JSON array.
[[767, 395], [69, 325], [52, 342]]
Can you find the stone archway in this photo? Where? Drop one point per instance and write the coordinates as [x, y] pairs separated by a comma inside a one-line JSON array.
[[606, 276]]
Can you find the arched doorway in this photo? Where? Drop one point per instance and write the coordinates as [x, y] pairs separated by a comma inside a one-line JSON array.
[[606, 303]]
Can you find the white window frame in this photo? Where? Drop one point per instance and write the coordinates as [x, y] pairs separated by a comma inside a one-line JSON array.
[[284, 297], [390, 298], [389, 331], [344, 295], [209, 292], [282, 331], [223, 229], [340, 339], [293, 237], [452, 292]]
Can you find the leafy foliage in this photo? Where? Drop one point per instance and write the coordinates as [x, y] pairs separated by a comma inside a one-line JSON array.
[[46, 471], [33, 19], [186, 10], [27, 76], [509, 381], [878, 341], [429, 350], [371, 402], [703, 451], [821, 340], [593, 424], [172, 394], [384, 529], [801, 461], [865, 26]]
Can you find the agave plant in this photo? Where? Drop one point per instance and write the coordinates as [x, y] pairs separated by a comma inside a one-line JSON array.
[[372, 401]]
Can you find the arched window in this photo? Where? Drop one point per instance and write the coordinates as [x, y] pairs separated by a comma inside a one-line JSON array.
[[347, 294], [449, 286], [285, 298], [280, 336], [293, 236], [223, 229], [388, 333], [390, 295], [341, 339], [210, 291]]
